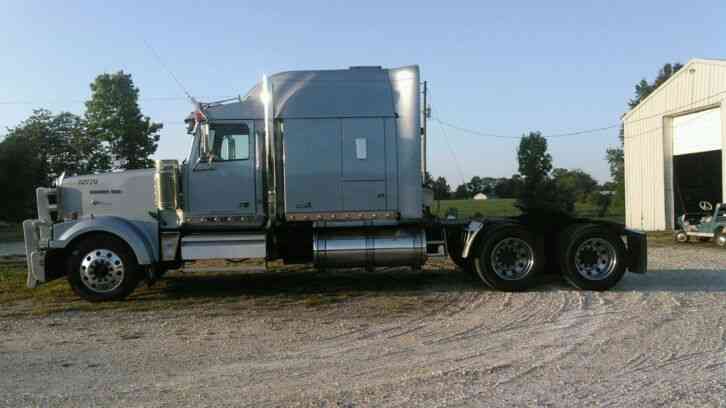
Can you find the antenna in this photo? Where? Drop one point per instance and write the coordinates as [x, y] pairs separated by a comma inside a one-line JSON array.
[[171, 74]]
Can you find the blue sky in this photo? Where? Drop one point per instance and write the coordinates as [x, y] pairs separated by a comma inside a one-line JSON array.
[[500, 67]]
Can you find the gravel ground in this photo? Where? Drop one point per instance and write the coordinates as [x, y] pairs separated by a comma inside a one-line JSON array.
[[657, 339]]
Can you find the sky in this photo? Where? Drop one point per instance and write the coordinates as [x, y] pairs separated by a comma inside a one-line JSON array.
[[504, 68]]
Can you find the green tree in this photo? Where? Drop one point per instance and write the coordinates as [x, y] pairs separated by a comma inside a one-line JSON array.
[[614, 155], [475, 185], [509, 187], [539, 192], [62, 144], [441, 188], [113, 116], [462, 192], [580, 183], [20, 173]]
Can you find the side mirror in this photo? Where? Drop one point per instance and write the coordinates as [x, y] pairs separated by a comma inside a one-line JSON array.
[[206, 145]]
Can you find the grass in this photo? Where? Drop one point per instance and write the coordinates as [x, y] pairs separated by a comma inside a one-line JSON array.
[[505, 207], [385, 292], [12, 232]]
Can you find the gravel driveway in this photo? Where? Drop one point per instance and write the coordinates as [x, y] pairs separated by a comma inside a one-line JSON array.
[[658, 339]]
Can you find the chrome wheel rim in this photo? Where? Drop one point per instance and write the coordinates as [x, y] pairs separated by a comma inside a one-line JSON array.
[[682, 237], [721, 240], [512, 259], [595, 259], [102, 270]]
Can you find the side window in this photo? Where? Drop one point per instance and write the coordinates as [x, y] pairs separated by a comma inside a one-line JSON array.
[[231, 142]]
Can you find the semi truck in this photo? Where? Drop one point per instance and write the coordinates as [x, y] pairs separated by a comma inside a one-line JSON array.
[[322, 167]]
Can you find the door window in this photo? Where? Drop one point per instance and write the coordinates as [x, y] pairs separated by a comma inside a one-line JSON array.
[[231, 142]]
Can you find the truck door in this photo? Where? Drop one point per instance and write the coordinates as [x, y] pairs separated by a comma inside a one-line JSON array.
[[226, 186]]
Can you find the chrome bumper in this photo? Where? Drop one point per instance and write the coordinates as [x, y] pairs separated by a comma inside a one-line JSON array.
[[36, 234]]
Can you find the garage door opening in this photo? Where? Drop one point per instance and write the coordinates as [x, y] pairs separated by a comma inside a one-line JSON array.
[[697, 167], [696, 177]]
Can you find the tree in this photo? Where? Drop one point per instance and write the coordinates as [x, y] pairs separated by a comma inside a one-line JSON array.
[[509, 187], [475, 185], [20, 173], [614, 155], [580, 183], [428, 181], [113, 116], [539, 192], [38, 150], [535, 163], [61, 144], [462, 192], [442, 190]]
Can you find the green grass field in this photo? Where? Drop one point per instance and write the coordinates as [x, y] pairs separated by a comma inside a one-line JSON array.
[[505, 207]]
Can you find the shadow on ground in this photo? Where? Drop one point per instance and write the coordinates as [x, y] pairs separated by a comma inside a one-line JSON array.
[[676, 280], [399, 281]]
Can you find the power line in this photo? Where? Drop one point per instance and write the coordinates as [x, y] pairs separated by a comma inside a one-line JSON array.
[[143, 99], [587, 131], [453, 155]]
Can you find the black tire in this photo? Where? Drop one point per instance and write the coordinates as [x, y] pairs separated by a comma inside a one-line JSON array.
[[720, 238], [508, 258], [101, 268], [681, 237], [603, 257]]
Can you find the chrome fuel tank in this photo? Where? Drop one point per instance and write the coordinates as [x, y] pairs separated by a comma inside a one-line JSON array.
[[369, 248]]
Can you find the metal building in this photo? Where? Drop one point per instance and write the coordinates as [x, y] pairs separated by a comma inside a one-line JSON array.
[[674, 140]]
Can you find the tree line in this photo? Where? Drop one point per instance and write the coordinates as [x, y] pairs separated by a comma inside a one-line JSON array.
[[537, 185], [111, 134]]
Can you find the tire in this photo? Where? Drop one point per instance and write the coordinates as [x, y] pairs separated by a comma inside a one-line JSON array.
[[681, 236], [720, 238], [102, 268], [592, 257], [508, 258]]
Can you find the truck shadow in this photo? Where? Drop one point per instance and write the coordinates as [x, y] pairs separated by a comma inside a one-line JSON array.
[[675, 280], [403, 282], [390, 282]]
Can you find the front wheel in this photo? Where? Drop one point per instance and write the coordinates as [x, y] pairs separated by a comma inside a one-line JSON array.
[[680, 236], [102, 268], [508, 258], [592, 257]]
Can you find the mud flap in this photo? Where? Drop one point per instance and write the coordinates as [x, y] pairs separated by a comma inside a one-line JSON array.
[[637, 251]]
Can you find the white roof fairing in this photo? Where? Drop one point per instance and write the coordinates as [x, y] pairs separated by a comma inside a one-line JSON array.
[[354, 92]]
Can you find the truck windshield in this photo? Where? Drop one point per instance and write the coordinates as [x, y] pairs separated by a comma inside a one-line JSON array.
[[230, 142]]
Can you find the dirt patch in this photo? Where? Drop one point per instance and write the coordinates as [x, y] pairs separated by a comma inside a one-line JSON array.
[[392, 338]]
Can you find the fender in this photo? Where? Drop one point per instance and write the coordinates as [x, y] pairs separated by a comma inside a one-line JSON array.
[[128, 231], [472, 230]]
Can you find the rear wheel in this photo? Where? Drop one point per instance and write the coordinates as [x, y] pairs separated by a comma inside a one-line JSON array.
[[508, 258], [720, 238], [592, 257], [101, 268]]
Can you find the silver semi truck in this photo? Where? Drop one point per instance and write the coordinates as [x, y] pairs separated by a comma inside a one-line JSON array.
[[322, 167]]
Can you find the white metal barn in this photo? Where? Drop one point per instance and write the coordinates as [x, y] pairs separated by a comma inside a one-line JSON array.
[[674, 140]]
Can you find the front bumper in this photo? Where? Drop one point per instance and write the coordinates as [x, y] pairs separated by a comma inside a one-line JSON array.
[[37, 235], [637, 243]]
